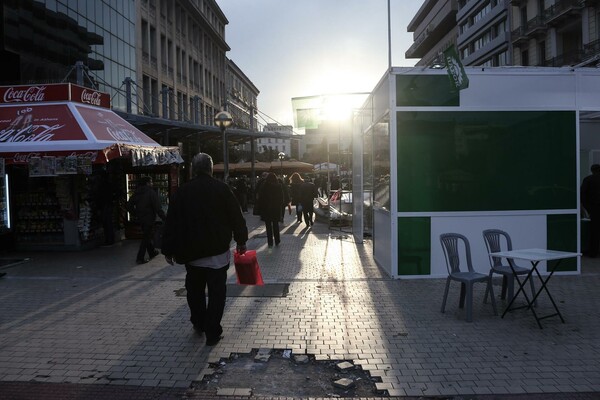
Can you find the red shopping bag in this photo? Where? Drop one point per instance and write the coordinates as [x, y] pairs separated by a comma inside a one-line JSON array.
[[247, 268]]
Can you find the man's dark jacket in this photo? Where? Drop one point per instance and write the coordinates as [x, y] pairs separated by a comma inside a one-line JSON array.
[[145, 206], [203, 214]]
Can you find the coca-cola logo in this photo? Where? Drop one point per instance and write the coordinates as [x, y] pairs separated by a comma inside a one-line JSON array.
[[23, 129], [24, 95], [91, 97], [24, 158], [88, 155]]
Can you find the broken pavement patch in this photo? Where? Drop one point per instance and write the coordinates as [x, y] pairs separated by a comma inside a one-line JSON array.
[[284, 374]]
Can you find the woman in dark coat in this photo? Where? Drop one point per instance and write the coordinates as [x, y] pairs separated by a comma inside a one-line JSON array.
[[308, 193], [271, 201], [296, 182]]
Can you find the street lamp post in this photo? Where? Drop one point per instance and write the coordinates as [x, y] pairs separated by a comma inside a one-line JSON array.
[[281, 156], [223, 120]]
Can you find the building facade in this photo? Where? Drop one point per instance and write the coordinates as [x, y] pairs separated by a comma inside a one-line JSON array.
[[242, 96], [551, 33], [182, 59], [555, 33], [275, 144], [483, 36], [434, 30], [44, 40]]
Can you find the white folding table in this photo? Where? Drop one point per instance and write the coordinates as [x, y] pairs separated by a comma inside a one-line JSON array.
[[535, 256]]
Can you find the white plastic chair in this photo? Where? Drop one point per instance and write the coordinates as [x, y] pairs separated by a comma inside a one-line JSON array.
[[493, 241], [452, 250]]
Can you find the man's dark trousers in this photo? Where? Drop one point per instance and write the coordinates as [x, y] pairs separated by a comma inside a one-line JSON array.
[[594, 230], [206, 317], [146, 244]]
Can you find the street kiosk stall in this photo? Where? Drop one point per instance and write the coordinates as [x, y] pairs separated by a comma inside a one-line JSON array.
[[507, 152], [64, 156]]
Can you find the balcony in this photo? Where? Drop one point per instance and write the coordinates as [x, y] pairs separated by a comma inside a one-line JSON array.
[[535, 27], [519, 36], [569, 58], [562, 10]]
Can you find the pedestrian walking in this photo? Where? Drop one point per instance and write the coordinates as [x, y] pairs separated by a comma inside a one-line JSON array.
[[590, 198], [286, 199], [145, 207], [259, 183], [308, 193], [241, 192], [270, 202], [296, 182], [202, 218]]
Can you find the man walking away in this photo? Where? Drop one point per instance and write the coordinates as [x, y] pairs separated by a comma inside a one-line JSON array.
[[590, 198], [202, 217]]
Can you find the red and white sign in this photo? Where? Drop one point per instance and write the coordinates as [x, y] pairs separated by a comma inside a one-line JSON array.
[[21, 94], [67, 120], [107, 125], [66, 128], [36, 123]]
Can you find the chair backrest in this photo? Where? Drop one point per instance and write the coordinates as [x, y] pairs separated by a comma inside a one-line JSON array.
[[493, 243], [451, 246]]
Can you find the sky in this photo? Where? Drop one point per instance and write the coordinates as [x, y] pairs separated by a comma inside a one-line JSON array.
[[297, 48]]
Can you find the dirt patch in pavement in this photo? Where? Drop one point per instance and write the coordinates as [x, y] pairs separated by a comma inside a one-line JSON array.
[[279, 373]]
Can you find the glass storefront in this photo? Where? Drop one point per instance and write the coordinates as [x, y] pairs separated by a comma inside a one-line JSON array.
[[43, 40]]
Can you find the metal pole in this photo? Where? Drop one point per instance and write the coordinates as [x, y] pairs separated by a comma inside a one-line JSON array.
[[225, 156], [127, 83], [389, 15], [252, 152], [79, 72]]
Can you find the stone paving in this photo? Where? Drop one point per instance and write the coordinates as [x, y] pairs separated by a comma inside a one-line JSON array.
[[97, 318]]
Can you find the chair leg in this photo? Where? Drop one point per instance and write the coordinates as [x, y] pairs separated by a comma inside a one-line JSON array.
[[445, 294], [491, 288], [510, 280], [461, 303], [504, 284], [470, 302], [487, 289]]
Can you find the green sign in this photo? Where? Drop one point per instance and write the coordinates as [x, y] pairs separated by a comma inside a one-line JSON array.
[[456, 71]]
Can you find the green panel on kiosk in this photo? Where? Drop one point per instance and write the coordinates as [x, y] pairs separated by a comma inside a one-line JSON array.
[[562, 236], [426, 91], [486, 160], [414, 246]]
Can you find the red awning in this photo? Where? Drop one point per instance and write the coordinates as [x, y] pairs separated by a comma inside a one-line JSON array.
[[68, 128]]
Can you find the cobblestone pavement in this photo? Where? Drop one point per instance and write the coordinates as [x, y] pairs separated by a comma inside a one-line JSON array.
[[95, 325]]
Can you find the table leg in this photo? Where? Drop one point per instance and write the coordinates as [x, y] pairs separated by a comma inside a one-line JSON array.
[[544, 282], [521, 287]]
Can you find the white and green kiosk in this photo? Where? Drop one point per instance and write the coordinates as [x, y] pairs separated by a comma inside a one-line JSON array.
[[508, 152]]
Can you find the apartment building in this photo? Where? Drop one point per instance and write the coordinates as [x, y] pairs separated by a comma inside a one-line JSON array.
[[242, 97], [551, 33], [434, 30], [483, 36], [555, 33], [181, 59]]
